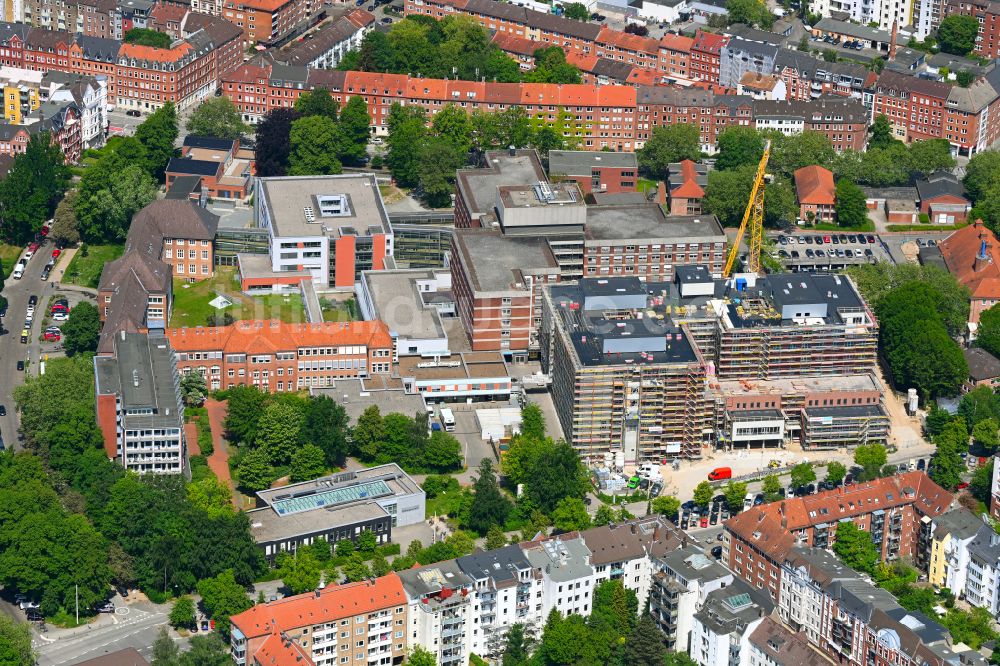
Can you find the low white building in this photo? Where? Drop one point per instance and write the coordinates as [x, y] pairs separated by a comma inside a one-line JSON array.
[[663, 11], [413, 304]]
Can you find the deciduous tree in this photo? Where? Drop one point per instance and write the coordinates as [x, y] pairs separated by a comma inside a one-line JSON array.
[[852, 211], [300, 572], [703, 494], [835, 472], [854, 546], [315, 142], [355, 130], [489, 505], [570, 514], [82, 330], [255, 471], [308, 463], [15, 642], [669, 144], [273, 141], [182, 614], [802, 475], [317, 102], [957, 34], [217, 117], [222, 598], [157, 134]]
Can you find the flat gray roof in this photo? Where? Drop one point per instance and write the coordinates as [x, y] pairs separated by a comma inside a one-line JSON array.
[[562, 559], [142, 373], [491, 259], [647, 223], [580, 162], [355, 395], [401, 306], [288, 197], [479, 186]]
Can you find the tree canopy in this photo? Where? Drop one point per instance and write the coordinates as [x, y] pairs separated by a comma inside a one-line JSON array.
[[30, 192], [217, 117], [669, 144], [957, 34]]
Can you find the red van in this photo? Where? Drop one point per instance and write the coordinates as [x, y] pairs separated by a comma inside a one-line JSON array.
[[720, 473]]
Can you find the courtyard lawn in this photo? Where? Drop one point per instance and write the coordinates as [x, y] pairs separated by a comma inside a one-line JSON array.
[[338, 310], [192, 301], [85, 271], [8, 257]]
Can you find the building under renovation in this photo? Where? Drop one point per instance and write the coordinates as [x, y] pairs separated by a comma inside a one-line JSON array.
[[663, 369]]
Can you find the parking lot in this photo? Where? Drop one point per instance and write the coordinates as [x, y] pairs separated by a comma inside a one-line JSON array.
[[828, 251]]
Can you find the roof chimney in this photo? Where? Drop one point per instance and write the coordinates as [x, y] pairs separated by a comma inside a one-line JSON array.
[[892, 42], [983, 258]]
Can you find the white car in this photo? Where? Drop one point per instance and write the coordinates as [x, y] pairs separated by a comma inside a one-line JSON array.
[[28, 254], [60, 316]]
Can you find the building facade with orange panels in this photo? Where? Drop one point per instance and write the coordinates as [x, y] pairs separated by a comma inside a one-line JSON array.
[[278, 357]]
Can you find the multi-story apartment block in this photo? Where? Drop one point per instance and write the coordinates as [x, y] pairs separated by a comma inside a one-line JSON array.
[[680, 588], [741, 55], [844, 121], [772, 644], [328, 46], [267, 22], [505, 592], [276, 356], [706, 56], [685, 187], [325, 228], [721, 629], [357, 624], [951, 535], [60, 119], [982, 578], [90, 95], [441, 611], [139, 408], [565, 575], [891, 509]]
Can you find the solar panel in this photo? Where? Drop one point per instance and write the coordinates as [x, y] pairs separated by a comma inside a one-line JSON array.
[[332, 497]]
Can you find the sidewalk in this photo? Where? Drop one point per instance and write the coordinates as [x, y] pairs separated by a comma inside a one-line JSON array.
[[218, 462]]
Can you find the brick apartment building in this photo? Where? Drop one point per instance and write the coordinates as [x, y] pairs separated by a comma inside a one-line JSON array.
[[706, 55], [60, 120], [223, 170], [277, 356], [366, 620], [757, 541], [600, 172], [816, 193], [843, 120], [267, 22], [139, 77], [987, 12]]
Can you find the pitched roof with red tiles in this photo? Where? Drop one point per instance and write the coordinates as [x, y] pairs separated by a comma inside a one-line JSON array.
[[628, 41], [689, 187], [273, 336], [961, 252], [814, 185], [770, 526], [708, 42], [152, 54], [334, 602], [510, 43], [583, 62], [280, 651], [360, 17], [676, 43]]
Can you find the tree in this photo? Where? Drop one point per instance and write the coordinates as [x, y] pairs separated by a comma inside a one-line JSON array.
[[82, 330], [254, 471], [165, 651], [451, 125], [665, 505], [211, 496], [517, 646], [273, 141], [489, 506], [64, 225], [615, 609], [193, 388], [243, 410], [570, 515], [308, 463], [982, 482], [436, 173], [957, 34], [578, 12], [703, 494], [368, 432], [556, 475], [148, 37], [771, 487], [32, 188], [315, 141], [851, 209], [182, 613], [532, 422], [855, 547], [15, 642], [981, 173], [984, 434], [870, 458], [551, 67], [366, 541], [407, 132], [157, 134], [835, 472], [802, 475], [735, 492], [495, 538], [739, 146], [222, 598], [930, 155], [750, 12], [208, 650], [355, 569], [419, 656], [947, 465], [790, 153], [727, 193], [278, 431], [881, 133], [325, 424], [645, 645], [300, 572], [988, 333], [317, 102], [217, 117], [669, 144], [355, 130]]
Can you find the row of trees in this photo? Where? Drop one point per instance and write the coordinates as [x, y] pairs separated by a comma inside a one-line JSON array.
[[101, 525], [920, 310], [982, 183], [456, 47], [30, 192], [314, 138]]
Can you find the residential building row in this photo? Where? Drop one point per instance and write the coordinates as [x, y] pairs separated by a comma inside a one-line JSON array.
[[616, 117], [137, 77]]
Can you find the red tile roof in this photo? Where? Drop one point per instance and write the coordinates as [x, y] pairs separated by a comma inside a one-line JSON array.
[[689, 187], [278, 651], [334, 602], [510, 43], [961, 254], [814, 185], [272, 336], [152, 54], [628, 41], [708, 42], [676, 43]]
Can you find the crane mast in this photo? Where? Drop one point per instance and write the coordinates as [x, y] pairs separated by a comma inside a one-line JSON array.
[[754, 219]]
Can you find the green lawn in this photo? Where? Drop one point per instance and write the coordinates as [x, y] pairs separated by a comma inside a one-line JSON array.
[[338, 310], [8, 257], [191, 301], [86, 270]]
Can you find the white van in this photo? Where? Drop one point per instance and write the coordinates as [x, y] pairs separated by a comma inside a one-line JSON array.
[[448, 420], [18, 271]]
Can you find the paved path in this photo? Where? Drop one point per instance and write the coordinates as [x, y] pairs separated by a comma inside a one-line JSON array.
[[218, 462], [191, 433]]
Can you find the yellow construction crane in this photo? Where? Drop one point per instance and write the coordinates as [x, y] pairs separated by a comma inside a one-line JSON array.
[[754, 217]]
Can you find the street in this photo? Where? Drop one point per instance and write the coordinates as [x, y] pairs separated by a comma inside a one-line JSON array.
[[12, 349]]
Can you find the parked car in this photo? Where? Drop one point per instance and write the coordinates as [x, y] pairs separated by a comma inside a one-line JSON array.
[[703, 522], [717, 552], [24, 336], [655, 490], [52, 336], [961, 486], [633, 483], [921, 464], [134, 113], [56, 252], [20, 366], [33, 615], [32, 300], [684, 522]]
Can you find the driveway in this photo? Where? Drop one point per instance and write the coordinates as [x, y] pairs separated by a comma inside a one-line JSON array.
[[218, 462]]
